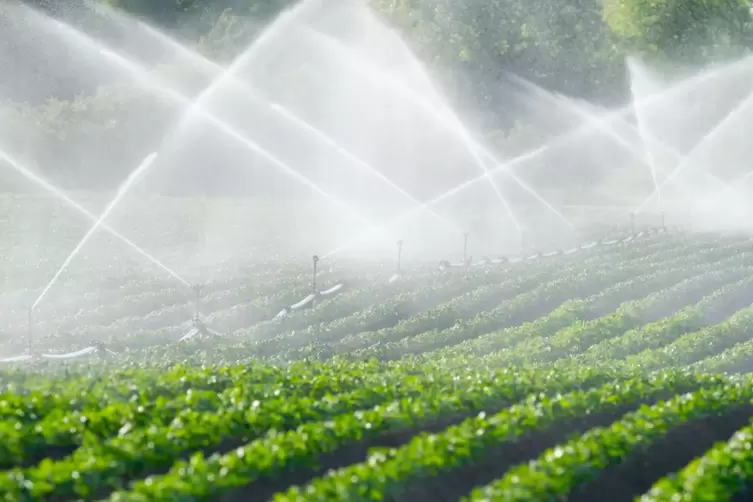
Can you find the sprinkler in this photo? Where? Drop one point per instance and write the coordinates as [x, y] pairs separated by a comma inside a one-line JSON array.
[[399, 255], [398, 273], [315, 259], [465, 246], [198, 325], [632, 224], [30, 330], [310, 300], [198, 289]]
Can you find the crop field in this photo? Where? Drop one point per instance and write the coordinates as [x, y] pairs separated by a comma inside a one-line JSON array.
[[612, 371]]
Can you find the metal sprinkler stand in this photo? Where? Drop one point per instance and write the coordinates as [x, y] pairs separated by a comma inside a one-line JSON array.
[[399, 255], [465, 246], [30, 330], [632, 224], [199, 325], [198, 288], [315, 259]]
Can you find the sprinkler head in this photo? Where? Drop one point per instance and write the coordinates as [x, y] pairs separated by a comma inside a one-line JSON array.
[[400, 242], [316, 258]]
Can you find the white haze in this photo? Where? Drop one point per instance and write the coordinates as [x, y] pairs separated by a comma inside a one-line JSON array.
[[328, 93]]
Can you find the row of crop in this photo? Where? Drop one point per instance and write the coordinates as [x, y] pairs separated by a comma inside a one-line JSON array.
[[169, 323], [735, 359], [405, 311], [332, 333], [298, 345], [146, 386], [692, 347], [257, 300], [132, 292], [232, 309], [99, 467], [519, 309], [265, 293], [446, 465], [475, 276], [62, 430], [577, 338], [711, 310], [604, 462], [408, 297], [721, 474], [386, 314], [460, 341], [271, 464], [171, 309], [153, 309], [570, 312]]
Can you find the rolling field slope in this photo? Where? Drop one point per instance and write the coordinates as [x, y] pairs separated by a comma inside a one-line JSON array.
[[614, 372]]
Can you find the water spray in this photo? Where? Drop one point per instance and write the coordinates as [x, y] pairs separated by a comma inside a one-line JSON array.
[[449, 120], [700, 147], [46, 185], [148, 79], [122, 190]]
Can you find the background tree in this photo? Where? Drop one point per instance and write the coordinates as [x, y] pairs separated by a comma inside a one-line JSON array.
[[685, 32]]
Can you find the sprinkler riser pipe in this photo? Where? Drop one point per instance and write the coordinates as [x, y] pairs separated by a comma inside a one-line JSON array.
[[313, 278], [399, 254], [30, 333], [632, 224]]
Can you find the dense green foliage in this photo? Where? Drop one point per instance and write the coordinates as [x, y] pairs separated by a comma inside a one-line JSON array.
[[591, 374]]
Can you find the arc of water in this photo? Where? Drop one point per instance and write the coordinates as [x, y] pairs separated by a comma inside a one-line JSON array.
[[324, 138], [569, 136], [606, 126], [157, 85], [286, 113], [282, 111], [648, 138], [564, 138], [446, 195], [458, 124], [49, 187], [649, 159], [731, 186], [285, 18], [447, 118], [704, 143], [122, 190]]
